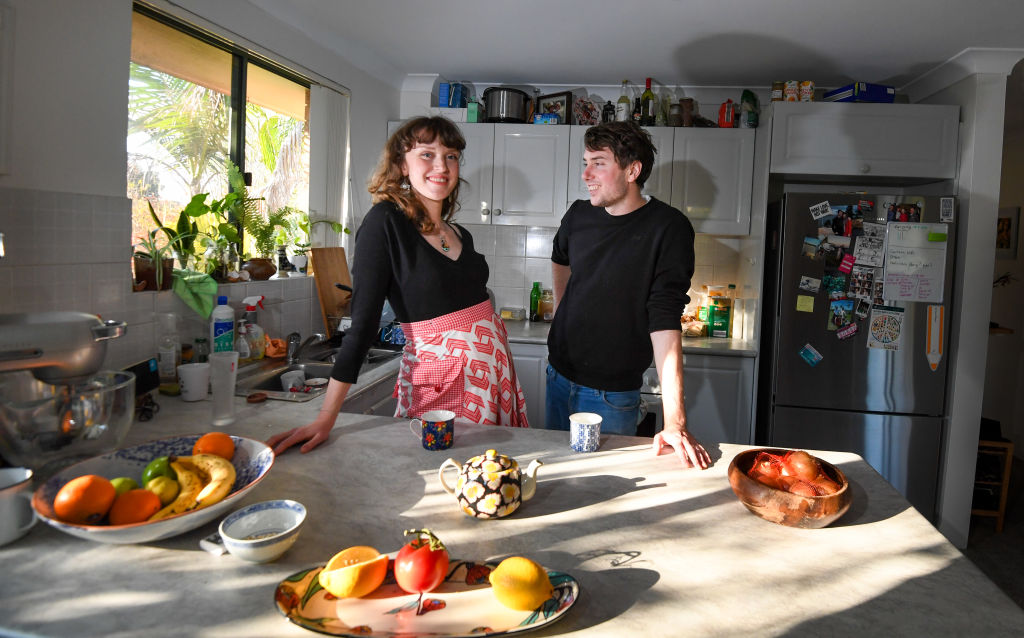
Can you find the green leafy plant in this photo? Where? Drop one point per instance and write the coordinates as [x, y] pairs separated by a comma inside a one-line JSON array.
[[295, 230], [247, 211], [149, 248]]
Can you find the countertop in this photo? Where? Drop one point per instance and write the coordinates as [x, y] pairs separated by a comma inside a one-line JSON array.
[[536, 332], [657, 549]]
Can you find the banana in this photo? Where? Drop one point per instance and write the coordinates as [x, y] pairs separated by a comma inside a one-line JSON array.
[[221, 475], [190, 487]]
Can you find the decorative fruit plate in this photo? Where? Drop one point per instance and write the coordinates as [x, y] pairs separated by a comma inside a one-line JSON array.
[[462, 606]]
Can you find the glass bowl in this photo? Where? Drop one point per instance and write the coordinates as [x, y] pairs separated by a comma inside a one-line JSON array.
[[47, 427]]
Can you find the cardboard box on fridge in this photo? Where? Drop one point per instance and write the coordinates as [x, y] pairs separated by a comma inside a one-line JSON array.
[[861, 92]]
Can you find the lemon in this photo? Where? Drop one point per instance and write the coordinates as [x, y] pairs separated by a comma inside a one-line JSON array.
[[165, 487], [354, 572], [519, 583]]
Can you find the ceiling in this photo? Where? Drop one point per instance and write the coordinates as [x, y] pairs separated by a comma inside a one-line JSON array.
[[710, 43]]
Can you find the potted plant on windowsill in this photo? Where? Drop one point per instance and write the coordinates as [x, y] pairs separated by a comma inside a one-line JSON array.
[[246, 211], [153, 264]]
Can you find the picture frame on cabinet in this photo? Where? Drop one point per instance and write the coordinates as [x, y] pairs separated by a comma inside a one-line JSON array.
[[559, 104], [1007, 230]]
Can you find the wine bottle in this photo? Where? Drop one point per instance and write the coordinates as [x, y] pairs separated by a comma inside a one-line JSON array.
[[648, 106], [623, 112], [636, 110]]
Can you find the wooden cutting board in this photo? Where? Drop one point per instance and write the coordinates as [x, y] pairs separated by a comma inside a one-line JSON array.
[[329, 268]]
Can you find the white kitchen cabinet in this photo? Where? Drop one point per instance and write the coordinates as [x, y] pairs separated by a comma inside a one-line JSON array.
[[521, 177], [718, 393], [712, 176], [531, 363], [515, 174], [865, 140], [658, 185]]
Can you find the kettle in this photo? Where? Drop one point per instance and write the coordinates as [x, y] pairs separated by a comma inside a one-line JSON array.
[[491, 485]]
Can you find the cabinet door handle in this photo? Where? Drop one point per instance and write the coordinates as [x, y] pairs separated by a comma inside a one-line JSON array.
[[865, 168], [485, 211], [497, 211]]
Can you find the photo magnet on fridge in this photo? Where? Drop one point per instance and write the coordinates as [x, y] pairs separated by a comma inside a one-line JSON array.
[[810, 355], [812, 247], [810, 284], [840, 313]]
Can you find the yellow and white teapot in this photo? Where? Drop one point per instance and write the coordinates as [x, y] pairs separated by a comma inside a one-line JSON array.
[[491, 485]]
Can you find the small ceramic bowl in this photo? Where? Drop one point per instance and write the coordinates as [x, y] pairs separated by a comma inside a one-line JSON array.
[[261, 532]]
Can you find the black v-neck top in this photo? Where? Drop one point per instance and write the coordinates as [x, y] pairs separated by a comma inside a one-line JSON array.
[[394, 261]]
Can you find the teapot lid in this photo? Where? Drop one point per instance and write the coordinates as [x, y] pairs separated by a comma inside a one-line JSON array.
[[491, 461]]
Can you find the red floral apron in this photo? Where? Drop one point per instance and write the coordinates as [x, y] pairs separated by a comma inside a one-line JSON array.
[[460, 362]]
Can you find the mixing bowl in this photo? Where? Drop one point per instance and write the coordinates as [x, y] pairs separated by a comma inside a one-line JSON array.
[[782, 507], [47, 427]]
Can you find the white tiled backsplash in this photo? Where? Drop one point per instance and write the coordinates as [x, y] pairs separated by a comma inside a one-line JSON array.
[[67, 251], [521, 255]]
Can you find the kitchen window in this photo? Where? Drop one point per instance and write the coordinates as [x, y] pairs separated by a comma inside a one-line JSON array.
[[198, 103]]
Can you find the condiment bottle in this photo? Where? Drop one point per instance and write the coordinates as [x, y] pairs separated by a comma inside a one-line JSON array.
[[546, 305]]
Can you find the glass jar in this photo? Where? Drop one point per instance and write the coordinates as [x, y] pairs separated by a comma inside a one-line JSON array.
[[546, 305]]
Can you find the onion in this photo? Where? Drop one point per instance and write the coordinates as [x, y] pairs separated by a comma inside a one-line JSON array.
[[825, 484], [802, 489], [803, 465]]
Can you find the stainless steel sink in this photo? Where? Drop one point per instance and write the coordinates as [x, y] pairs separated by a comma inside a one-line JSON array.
[[266, 377]]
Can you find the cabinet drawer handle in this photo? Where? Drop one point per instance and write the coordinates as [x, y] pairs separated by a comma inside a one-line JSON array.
[[485, 211], [865, 168], [497, 211]]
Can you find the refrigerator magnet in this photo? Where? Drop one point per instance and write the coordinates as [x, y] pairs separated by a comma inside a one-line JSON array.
[[847, 331], [863, 308], [810, 355], [812, 247], [946, 209], [885, 327], [846, 264], [840, 313], [810, 284], [820, 210], [804, 303], [934, 337]]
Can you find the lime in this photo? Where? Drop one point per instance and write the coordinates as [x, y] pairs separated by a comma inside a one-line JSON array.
[[124, 483], [160, 466], [165, 487]]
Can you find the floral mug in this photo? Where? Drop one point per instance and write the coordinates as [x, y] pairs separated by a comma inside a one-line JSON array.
[[435, 429]]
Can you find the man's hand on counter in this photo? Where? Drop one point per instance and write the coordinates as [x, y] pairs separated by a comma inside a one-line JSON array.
[[689, 450]]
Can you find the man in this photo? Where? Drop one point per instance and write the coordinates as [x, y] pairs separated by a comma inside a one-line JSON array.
[[621, 268]]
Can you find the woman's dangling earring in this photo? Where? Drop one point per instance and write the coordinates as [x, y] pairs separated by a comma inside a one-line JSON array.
[[405, 184]]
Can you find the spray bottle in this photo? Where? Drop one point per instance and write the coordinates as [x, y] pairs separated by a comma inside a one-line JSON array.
[[254, 333], [242, 342]]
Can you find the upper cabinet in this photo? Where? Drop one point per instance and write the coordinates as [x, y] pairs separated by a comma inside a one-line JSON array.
[[712, 175], [517, 174], [865, 140]]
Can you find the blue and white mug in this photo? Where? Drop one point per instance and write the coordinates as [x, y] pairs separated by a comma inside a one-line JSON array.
[[585, 431]]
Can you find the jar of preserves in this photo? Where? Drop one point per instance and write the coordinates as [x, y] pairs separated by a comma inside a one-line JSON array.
[[546, 305]]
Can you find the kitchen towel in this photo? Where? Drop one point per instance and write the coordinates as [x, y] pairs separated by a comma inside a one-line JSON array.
[[196, 289]]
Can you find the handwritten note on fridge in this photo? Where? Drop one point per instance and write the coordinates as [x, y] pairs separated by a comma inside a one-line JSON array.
[[915, 261]]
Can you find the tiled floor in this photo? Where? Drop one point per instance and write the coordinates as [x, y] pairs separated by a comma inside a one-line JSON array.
[[1001, 556]]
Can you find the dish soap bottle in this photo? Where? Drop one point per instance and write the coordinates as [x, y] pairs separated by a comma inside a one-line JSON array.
[[255, 334], [242, 342], [222, 326]]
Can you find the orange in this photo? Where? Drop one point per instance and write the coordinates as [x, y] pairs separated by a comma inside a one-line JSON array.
[[216, 443], [134, 506], [84, 500], [354, 572]]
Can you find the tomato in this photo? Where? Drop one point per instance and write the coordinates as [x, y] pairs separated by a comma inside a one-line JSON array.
[[422, 563]]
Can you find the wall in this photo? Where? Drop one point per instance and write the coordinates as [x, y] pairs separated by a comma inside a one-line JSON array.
[[1005, 369], [981, 97], [63, 208]]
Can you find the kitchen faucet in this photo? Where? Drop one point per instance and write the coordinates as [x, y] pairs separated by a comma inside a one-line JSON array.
[[295, 349]]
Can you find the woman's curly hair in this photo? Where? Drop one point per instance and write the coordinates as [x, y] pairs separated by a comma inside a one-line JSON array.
[[386, 183]]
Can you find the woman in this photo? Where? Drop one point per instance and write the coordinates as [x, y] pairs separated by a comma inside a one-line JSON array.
[[408, 251]]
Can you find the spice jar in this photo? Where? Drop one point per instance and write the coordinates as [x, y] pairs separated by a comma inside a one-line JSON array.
[[546, 305]]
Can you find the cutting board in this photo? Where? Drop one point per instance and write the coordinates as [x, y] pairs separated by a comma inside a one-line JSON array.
[[329, 268]]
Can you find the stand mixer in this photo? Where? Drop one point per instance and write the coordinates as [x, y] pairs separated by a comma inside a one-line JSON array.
[[70, 408]]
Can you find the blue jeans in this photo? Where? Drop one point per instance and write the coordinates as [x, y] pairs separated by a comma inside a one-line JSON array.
[[620, 411]]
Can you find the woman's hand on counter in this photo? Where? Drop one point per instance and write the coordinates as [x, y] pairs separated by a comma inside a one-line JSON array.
[[316, 432], [689, 450]]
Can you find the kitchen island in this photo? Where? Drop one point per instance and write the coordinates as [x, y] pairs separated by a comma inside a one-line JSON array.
[[657, 549]]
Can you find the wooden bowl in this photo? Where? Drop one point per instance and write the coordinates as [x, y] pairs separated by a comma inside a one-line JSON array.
[[784, 508]]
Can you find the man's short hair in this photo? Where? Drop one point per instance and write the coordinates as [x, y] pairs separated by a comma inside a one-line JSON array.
[[627, 141]]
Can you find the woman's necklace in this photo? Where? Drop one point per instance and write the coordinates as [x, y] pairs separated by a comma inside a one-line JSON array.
[[444, 244]]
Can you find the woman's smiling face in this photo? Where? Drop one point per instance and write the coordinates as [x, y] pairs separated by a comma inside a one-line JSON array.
[[432, 169]]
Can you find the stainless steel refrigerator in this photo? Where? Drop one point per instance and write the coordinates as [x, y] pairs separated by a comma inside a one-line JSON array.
[[858, 298]]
